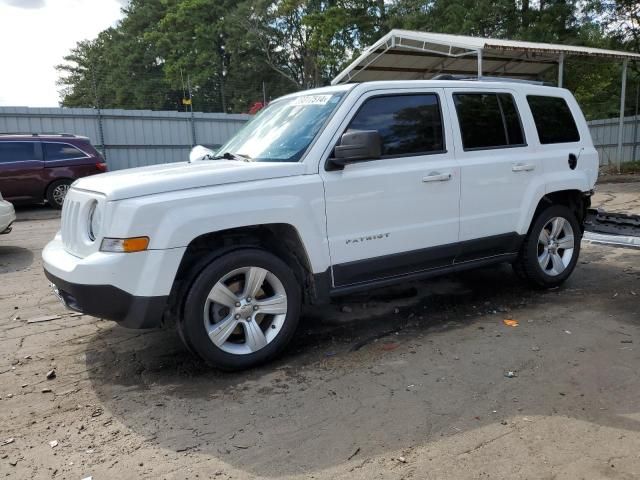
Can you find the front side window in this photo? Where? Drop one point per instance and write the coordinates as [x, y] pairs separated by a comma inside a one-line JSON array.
[[283, 131], [407, 124], [553, 119], [17, 151], [488, 120], [61, 151]]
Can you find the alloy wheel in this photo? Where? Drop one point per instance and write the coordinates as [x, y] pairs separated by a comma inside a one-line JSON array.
[[555, 246], [245, 310]]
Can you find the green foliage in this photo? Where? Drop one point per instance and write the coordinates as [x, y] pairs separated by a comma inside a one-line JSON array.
[[231, 54]]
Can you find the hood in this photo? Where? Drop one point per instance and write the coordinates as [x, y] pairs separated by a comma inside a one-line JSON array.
[[137, 182]]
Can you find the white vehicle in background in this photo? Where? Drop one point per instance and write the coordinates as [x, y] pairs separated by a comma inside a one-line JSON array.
[[7, 216], [324, 193]]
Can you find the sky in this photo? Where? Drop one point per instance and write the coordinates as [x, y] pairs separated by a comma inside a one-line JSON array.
[[35, 35]]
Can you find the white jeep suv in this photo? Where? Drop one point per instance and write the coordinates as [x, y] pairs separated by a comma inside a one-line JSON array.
[[328, 192]]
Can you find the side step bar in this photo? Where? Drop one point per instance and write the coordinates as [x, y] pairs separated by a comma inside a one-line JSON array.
[[617, 229]]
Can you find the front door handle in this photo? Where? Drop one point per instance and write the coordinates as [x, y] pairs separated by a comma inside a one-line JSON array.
[[523, 167], [437, 177]]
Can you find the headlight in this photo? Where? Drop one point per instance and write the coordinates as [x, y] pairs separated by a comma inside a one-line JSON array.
[[95, 221]]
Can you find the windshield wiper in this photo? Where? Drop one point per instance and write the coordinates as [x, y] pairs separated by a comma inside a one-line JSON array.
[[231, 156]]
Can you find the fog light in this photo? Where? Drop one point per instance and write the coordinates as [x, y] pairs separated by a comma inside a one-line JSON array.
[[126, 245]]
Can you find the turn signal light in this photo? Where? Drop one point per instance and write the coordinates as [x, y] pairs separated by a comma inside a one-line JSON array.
[[125, 245]]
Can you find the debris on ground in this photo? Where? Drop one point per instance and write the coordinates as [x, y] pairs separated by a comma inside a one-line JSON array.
[[53, 443], [357, 450], [46, 318], [46, 390], [510, 374], [390, 346], [346, 309], [51, 374], [8, 441], [402, 460], [510, 322]]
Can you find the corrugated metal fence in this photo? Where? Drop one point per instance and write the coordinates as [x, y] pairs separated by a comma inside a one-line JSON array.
[[133, 138], [128, 138], [605, 138]]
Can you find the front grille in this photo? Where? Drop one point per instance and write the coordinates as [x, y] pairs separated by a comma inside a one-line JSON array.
[[70, 224]]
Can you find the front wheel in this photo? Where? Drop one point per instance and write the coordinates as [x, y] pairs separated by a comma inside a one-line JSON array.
[[550, 251], [242, 310]]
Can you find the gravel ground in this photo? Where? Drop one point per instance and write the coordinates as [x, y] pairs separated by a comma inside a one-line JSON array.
[[409, 382]]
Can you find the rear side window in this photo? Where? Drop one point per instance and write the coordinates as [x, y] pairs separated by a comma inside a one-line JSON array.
[[488, 120], [407, 124], [61, 151], [18, 151], [553, 118]]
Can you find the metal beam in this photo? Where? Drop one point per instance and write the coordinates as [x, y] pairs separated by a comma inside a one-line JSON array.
[[480, 63], [623, 94], [560, 70]]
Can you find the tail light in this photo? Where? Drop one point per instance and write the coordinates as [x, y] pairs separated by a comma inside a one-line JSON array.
[[102, 166]]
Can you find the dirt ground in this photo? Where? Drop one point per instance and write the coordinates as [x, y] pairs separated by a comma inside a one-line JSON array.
[[410, 382]]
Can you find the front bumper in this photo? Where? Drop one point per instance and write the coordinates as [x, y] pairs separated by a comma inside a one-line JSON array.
[[7, 216], [130, 288], [111, 303]]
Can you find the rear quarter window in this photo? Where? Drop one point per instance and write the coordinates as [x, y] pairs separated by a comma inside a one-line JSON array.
[[554, 120], [62, 151]]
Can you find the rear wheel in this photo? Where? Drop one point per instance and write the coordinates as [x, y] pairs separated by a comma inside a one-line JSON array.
[[57, 191], [242, 310], [550, 251]]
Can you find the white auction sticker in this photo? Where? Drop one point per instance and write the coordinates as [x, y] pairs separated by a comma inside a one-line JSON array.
[[312, 100]]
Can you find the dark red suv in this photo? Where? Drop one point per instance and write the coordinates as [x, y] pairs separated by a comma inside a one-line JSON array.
[[39, 167]]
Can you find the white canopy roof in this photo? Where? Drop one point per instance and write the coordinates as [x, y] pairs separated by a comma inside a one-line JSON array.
[[410, 55]]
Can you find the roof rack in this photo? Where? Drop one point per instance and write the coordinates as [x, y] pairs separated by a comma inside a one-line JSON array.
[[43, 134], [448, 76]]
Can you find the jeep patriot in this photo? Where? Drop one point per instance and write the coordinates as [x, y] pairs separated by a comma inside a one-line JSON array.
[[324, 193]]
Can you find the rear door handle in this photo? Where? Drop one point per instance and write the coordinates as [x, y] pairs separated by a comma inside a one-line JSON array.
[[437, 177], [522, 167]]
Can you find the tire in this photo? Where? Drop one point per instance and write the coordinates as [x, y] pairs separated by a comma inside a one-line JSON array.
[[57, 192], [224, 325], [562, 230]]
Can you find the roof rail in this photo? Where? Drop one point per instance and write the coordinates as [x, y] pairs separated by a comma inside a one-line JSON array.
[[45, 134], [447, 76]]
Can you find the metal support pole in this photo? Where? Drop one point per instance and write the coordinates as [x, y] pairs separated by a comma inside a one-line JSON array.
[[635, 124], [193, 125], [561, 70], [480, 63], [623, 94]]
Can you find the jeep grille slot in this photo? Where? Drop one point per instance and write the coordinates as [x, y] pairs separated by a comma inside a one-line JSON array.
[[69, 228]]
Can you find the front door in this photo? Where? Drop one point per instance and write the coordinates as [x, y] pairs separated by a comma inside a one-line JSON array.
[[399, 214]]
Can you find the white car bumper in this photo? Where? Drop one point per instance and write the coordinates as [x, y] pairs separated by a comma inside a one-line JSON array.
[[130, 288], [7, 216]]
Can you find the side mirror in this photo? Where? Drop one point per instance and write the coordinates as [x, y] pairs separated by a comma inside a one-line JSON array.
[[357, 145], [200, 153]]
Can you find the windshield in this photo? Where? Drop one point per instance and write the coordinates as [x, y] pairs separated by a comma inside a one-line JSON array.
[[283, 131]]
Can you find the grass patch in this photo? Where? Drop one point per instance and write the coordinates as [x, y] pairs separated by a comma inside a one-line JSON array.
[[628, 168]]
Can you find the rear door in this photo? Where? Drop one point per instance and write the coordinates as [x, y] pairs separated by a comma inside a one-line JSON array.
[[499, 170], [21, 170], [395, 215]]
